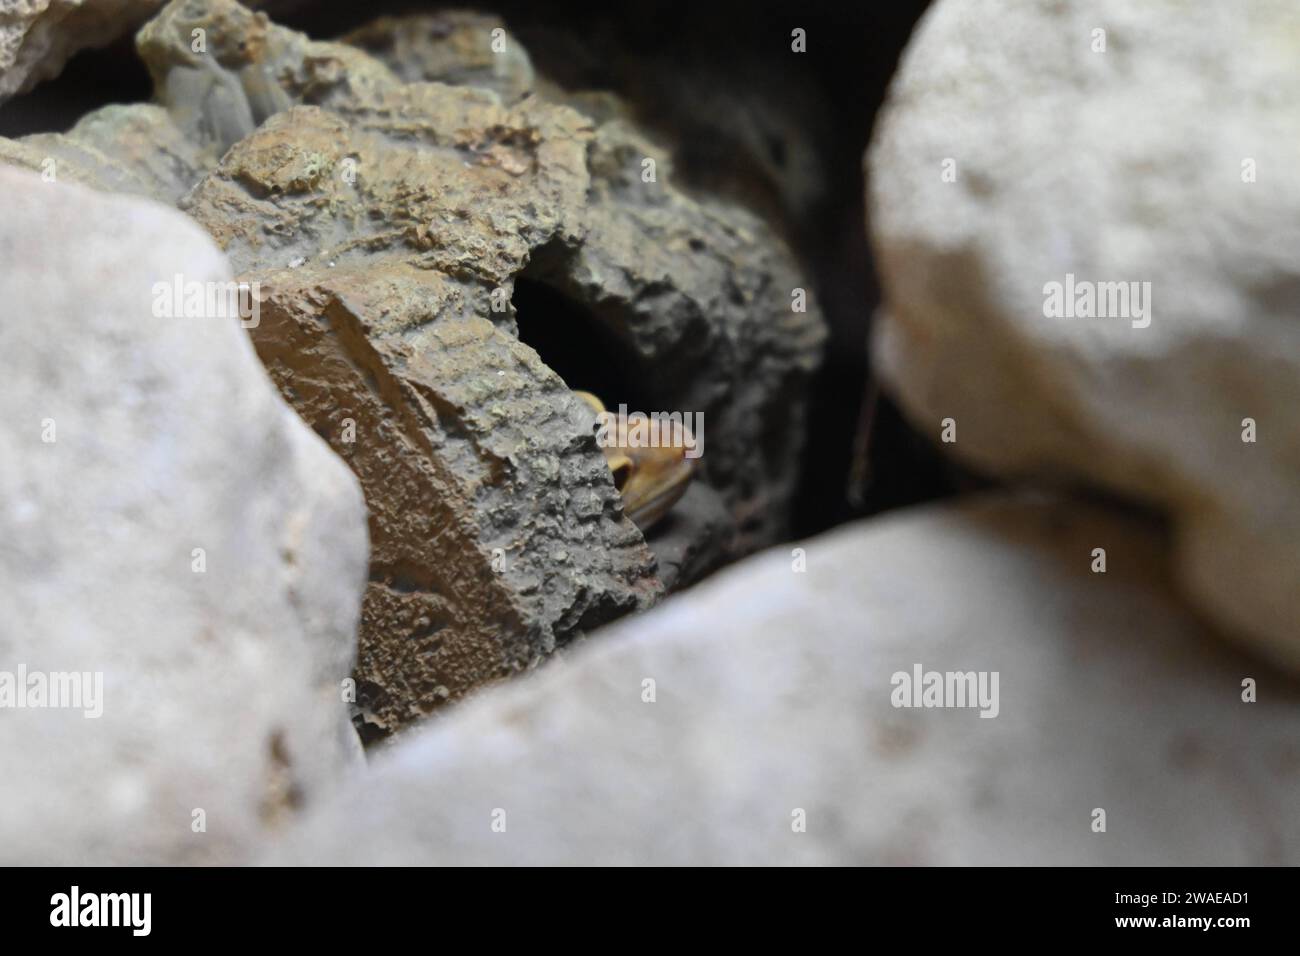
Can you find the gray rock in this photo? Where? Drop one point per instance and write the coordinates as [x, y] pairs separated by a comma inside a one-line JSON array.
[[392, 226], [1131, 165], [246, 70], [132, 440], [450, 46], [131, 149], [38, 36], [407, 236], [773, 694]]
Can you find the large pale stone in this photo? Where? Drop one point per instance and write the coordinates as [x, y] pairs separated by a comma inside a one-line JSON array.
[[130, 441], [773, 694], [1128, 165]]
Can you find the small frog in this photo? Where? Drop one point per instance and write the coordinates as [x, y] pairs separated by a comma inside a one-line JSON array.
[[650, 479]]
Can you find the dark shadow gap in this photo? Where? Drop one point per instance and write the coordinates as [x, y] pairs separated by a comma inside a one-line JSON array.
[[580, 349], [91, 79]]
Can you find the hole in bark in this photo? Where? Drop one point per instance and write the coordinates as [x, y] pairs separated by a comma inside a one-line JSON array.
[[581, 349]]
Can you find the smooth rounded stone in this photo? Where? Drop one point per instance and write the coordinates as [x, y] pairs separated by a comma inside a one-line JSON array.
[[1124, 166], [773, 694], [168, 522]]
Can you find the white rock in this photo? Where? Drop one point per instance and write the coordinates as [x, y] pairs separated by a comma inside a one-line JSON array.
[[1119, 166], [221, 689], [773, 694]]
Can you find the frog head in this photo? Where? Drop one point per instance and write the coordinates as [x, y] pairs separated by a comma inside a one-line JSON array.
[[650, 478]]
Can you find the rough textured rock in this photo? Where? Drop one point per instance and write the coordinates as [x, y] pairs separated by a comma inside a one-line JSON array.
[[130, 440], [773, 693], [390, 225], [162, 151], [38, 36], [132, 149], [1128, 165], [249, 69], [450, 46], [406, 236], [495, 524]]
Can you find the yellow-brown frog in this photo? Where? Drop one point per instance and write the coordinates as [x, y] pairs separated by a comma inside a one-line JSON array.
[[650, 479]]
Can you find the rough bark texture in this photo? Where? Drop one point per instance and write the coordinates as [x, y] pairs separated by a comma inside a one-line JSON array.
[[496, 530], [399, 232]]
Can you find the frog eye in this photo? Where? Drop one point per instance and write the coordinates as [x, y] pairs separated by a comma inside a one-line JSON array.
[[622, 472]]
